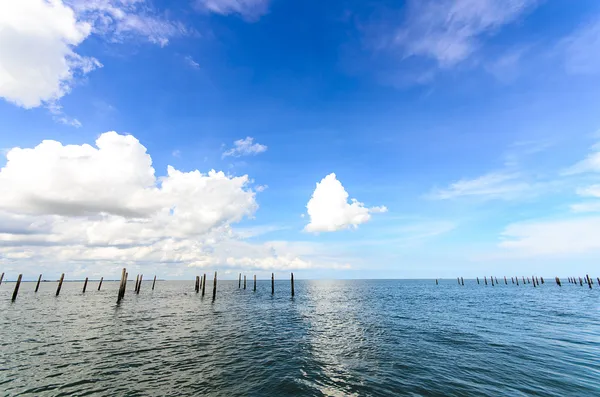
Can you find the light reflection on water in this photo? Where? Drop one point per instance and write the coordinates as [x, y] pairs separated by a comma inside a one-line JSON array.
[[335, 338]]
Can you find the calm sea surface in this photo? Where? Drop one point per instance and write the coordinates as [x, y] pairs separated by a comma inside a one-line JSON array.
[[335, 338]]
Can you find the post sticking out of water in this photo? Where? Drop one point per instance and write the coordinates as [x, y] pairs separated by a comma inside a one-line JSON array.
[[215, 287], [598, 278], [485, 279], [292, 284], [137, 280], [255, 283], [62, 277], [240, 281], [100, 283], [85, 285], [272, 283], [1, 278], [436, 281], [558, 281], [154, 282], [16, 291], [517, 281], [139, 284], [542, 278], [580, 282], [204, 284], [505, 282], [244, 281], [492, 278], [125, 284], [458, 279], [588, 280], [512, 280], [37, 286], [462, 281], [121, 286], [197, 286], [477, 280]]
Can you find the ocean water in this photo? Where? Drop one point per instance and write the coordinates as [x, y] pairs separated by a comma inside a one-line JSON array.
[[334, 338]]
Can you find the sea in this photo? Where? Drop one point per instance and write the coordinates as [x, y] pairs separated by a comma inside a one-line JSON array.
[[333, 338]]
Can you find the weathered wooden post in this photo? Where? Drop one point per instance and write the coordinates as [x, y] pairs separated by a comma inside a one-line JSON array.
[[496, 280], [240, 281], [598, 278], [154, 282], [121, 286], [85, 285], [292, 284], [532, 279], [125, 284], [139, 284], [204, 284], [244, 281], [1, 278], [458, 279], [588, 280], [37, 286], [137, 280], [197, 286], [485, 280], [215, 287], [62, 277], [436, 281], [524, 280], [492, 278], [16, 291], [255, 283], [100, 283], [505, 282], [558, 281], [517, 281], [512, 280], [580, 282], [542, 278], [537, 281], [477, 280], [272, 283], [462, 281]]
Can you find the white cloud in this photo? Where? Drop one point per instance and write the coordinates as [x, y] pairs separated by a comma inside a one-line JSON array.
[[98, 208], [329, 209], [590, 164], [248, 9], [37, 39], [581, 49], [449, 31], [493, 185], [245, 147], [553, 237], [191, 63]]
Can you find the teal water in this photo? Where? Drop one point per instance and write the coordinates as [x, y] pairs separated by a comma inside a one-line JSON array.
[[334, 338]]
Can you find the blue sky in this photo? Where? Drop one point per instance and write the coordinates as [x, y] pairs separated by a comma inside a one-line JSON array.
[[467, 131]]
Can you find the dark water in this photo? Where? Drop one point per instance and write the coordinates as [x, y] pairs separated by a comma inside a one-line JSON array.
[[335, 338]]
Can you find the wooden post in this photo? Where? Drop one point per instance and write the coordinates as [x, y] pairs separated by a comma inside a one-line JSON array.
[[240, 281], [478, 280], [512, 280], [436, 281], [125, 283], [580, 282], [1, 278], [492, 278], [204, 284], [215, 287], [292, 284], [272, 283], [37, 286], [537, 281], [85, 285], [588, 280], [154, 282], [16, 292], [458, 279], [558, 281], [517, 281], [244, 281], [485, 279], [462, 281], [505, 282], [255, 283], [121, 286], [598, 278], [542, 278], [100, 283], [62, 277], [137, 280], [139, 284], [533, 279], [197, 286]]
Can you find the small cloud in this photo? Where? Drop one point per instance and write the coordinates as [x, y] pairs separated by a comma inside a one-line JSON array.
[[60, 117], [492, 185], [329, 209], [191, 63], [590, 164], [245, 147], [251, 10], [176, 153], [261, 188]]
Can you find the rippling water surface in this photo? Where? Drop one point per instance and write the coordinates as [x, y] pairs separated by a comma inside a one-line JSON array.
[[335, 338]]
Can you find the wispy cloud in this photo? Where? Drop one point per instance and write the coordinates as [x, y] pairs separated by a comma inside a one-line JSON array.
[[245, 147], [191, 63], [590, 164], [248, 9], [494, 185], [582, 49], [449, 31]]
